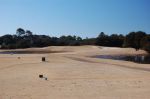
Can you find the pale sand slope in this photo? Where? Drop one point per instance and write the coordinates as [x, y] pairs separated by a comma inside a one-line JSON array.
[[73, 75]]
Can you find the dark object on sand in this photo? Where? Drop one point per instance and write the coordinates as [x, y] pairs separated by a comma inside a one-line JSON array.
[[45, 78], [43, 59], [40, 76], [18, 57]]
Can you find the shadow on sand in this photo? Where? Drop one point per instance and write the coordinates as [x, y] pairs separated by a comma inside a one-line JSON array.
[[143, 59]]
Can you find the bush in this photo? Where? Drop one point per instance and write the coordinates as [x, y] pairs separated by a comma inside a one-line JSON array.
[[145, 43]]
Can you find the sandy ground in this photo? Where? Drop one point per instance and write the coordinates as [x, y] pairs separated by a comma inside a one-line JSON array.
[[72, 74]]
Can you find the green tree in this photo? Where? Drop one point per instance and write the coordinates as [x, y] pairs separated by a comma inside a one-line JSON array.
[[129, 40], [145, 43], [8, 41], [102, 39], [28, 33], [20, 32], [116, 40], [133, 39]]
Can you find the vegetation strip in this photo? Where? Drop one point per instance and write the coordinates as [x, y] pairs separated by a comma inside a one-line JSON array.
[[26, 39]]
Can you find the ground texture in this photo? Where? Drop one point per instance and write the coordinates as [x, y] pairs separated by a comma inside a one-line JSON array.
[[73, 74]]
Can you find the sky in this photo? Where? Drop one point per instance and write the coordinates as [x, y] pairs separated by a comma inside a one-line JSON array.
[[85, 18]]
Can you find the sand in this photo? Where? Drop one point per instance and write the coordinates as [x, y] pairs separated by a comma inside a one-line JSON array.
[[73, 74]]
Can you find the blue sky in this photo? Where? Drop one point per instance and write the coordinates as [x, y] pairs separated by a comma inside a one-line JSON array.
[[85, 18]]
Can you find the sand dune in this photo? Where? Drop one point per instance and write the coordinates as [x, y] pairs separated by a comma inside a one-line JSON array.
[[72, 74]]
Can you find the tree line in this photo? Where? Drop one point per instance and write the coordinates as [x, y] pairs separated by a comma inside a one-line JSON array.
[[26, 39]]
